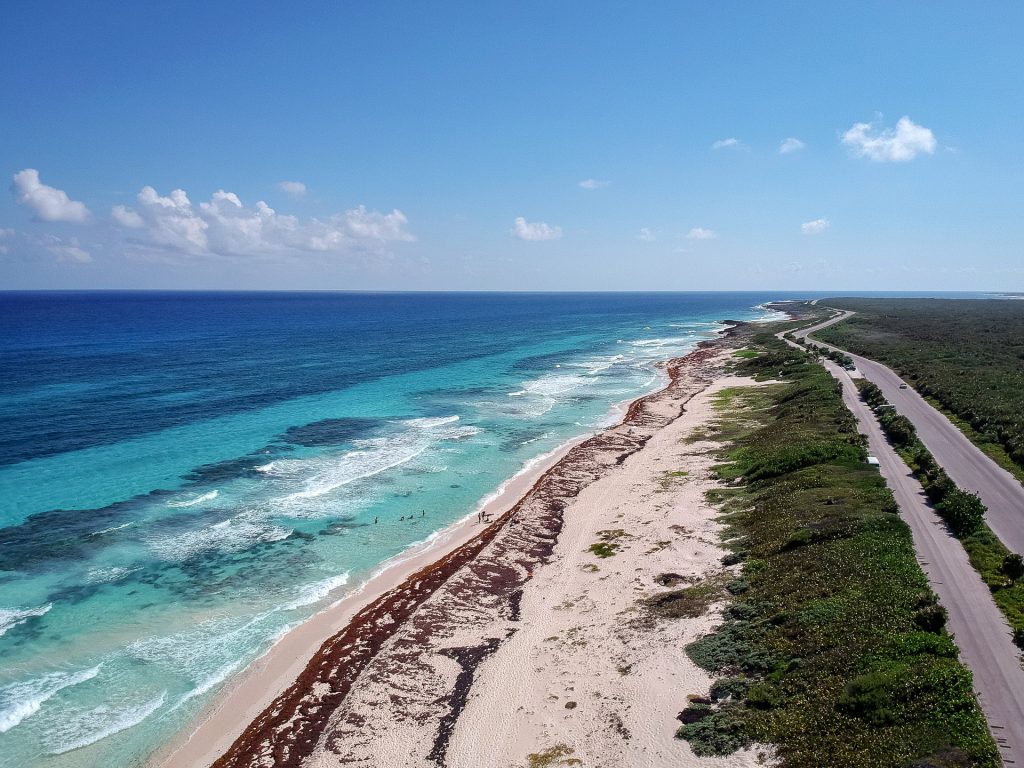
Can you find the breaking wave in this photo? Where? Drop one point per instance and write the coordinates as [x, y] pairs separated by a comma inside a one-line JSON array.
[[13, 617], [19, 701]]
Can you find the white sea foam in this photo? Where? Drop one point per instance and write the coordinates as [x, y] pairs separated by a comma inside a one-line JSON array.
[[12, 617], [265, 468], [209, 496], [231, 535], [111, 530], [326, 474], [430, 423], [598, 364], [211, 651], [208, 683], [537, 397], [82, 728], [353, 466], [23, 699], [662, 342], [317, 591], [535, 439], [108, 575]]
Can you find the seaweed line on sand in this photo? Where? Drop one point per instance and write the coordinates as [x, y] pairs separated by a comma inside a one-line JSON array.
[[471, 586]]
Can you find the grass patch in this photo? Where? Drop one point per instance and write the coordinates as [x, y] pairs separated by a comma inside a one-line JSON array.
[[833, 647], [688, 602], [668, 479], [993, 450], [988, 555], [746, 354], [558, 755], [610, 542]]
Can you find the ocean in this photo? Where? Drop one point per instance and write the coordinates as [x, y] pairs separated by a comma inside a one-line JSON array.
[[184, 476]]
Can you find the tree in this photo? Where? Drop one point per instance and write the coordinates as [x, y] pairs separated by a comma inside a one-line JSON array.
[[962, 511], [1013, 567], [938, 485]]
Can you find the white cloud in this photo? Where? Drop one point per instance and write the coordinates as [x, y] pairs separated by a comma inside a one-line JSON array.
[[126, 218], [4, 234], [790, 145], [815, 227], [699, 233], [534, 230], [224, 226], [47, 203], [293, 188], [67, 251], [890, 145], [646, 235], [729, 143], [594, 184]]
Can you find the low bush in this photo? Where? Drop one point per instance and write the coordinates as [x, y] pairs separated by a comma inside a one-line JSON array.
[[836, 651], [963, 512]]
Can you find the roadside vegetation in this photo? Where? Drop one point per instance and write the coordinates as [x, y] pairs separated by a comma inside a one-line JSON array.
[[833, 647], [965, 355], [963, 512]]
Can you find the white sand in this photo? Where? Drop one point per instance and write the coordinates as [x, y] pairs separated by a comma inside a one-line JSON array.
[[484, 675], [582, 637], [238, 704]]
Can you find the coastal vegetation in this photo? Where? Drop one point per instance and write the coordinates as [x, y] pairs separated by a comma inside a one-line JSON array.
[[609, 543], [963, 512], [965, 355], [833, 647]]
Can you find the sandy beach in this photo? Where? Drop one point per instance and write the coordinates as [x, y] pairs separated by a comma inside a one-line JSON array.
[[514, 640]]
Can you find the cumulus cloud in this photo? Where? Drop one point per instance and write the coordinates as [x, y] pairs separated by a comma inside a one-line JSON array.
[[699, 233], [68, 251], [729, 143], [890, 145], [293, 188], [47, 203], [126, 218], [790, 145], [224, 226], [646, 235], [815, 227], [534, 230], [594, 184]]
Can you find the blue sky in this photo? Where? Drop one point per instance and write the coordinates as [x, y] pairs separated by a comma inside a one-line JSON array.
[[443, 146]]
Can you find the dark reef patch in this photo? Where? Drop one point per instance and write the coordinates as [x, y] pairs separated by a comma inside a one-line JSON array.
[[333, 431]]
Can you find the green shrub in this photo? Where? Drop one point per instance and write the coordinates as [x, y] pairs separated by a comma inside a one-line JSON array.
[[721, 733], [870, 698], [931, 618], [835, 652], [963, 512], [1013, 567]]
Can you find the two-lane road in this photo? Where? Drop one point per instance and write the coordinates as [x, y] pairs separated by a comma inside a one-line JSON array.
[[980, 630], [969, 468]]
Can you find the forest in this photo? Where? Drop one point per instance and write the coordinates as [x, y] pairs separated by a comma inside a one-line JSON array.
[[967, 355]]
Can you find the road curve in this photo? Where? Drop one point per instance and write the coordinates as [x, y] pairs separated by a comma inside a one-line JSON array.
[[979, 629], [965, 463]]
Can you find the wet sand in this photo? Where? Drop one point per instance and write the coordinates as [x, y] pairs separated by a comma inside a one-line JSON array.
[[427, 659]]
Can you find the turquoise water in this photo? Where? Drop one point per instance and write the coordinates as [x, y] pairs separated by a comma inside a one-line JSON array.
[[183, 477]]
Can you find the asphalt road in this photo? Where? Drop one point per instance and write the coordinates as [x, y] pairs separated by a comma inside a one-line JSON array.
[[979, 629], [971, 469]]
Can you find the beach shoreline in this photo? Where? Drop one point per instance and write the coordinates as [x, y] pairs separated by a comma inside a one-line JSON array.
[[271, 673], [235, 710]]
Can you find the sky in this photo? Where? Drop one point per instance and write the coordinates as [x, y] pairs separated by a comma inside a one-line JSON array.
[[512, 146]]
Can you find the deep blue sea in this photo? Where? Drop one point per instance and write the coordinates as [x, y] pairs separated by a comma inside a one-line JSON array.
[[184, 476]]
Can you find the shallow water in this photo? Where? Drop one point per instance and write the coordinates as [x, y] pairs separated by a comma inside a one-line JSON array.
[[185, 476]]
